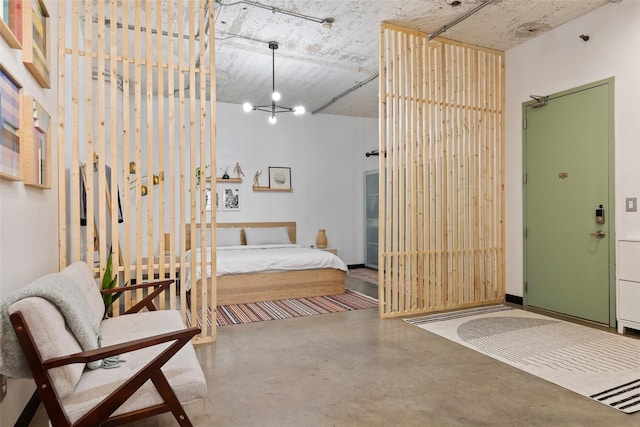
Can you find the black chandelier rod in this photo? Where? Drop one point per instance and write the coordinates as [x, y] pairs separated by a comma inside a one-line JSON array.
[[273, 46]]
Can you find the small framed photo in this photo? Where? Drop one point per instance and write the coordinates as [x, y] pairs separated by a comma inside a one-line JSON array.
[[231, 199], [208, 198], [280, 177]]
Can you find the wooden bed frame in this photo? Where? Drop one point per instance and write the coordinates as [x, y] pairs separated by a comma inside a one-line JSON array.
[[255, 287]]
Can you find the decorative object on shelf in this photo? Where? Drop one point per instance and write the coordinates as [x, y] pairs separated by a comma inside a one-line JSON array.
[[279, 177], [225, 174], [231, 199], [11, 22], [238, 170], [256, 177], [10, 127], [273, 108], [35, 22], [321, 239]]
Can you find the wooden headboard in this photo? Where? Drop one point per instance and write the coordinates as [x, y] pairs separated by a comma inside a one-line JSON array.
[[291, 228]]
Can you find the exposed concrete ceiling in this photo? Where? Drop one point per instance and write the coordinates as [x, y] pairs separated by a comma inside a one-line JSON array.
[[315, 64]]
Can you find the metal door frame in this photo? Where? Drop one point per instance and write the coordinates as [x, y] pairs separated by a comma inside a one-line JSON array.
[[610, 82]]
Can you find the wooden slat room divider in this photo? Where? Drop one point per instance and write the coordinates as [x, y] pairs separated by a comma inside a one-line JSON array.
[[441, 174], [137, 107]]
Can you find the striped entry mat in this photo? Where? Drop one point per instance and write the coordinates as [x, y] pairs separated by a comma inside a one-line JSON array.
[[286, 309], [597, 364]]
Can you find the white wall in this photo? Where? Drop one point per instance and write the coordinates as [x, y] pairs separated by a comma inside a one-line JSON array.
[[28, 216], [326, 156], [560, 60]]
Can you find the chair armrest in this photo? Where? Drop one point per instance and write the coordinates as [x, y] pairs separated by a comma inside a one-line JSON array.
[[148, 300], [163, 283], [125, 347]]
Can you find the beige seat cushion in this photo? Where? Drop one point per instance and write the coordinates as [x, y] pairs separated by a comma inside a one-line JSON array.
[[183, 370], [52, 338]]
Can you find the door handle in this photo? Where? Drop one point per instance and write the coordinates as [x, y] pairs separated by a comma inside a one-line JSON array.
[[599, 234]]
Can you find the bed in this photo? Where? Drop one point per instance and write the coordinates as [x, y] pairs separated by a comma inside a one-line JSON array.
[[244, 277]]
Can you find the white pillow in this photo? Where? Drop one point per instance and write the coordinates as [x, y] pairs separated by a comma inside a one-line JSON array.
[[228, 237], [267, 236]]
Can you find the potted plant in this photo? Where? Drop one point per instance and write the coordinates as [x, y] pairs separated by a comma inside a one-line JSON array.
[[109, 281]]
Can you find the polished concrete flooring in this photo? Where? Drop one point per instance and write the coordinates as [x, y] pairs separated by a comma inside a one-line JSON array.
[[353, 369]]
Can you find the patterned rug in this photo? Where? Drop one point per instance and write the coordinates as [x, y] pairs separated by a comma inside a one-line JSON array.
[[365, 274], [286, 309], [597, 364]]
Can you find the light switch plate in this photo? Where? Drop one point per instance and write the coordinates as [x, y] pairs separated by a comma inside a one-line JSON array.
[[631, 204]]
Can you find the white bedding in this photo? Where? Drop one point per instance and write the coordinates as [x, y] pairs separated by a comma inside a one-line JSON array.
[[264, 258]]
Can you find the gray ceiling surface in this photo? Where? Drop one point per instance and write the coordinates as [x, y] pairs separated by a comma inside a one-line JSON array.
[[317, 62]]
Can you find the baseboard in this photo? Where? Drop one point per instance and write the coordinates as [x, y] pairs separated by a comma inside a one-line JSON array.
[[355, 266], [513, 299]]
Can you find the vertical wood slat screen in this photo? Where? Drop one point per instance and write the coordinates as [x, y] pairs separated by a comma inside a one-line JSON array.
[[441, 174], [137, 102]]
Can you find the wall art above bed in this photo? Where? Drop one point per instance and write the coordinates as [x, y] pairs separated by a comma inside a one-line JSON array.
[[231, 199], [280, 177]]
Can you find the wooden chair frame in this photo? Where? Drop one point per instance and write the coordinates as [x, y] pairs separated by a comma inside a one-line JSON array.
[[101, 414]]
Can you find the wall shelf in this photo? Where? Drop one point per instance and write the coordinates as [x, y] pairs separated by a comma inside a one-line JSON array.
[[286, 190], [229, 180]]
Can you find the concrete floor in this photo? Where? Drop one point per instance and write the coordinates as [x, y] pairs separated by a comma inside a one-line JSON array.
[[353, 369]]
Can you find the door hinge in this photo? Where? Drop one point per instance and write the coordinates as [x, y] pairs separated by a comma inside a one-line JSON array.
[[524, 123], [526, 287], [525, 232], [524, 178]]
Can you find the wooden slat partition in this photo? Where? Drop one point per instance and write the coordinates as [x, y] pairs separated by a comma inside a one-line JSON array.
[[141, 106], [441, 234]]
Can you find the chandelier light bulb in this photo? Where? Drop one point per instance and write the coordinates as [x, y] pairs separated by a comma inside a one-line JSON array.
[[247, 107], [272, 120], [299, 110], [275, 96]]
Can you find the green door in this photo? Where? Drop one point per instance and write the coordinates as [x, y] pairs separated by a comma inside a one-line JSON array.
[[568, 184]]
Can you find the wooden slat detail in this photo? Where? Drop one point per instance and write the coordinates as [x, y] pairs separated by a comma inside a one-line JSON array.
[[146, 98], [441, 200], [63, 245]]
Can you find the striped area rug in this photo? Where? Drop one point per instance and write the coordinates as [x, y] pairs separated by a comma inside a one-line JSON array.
[[597, 364], [286, 309]]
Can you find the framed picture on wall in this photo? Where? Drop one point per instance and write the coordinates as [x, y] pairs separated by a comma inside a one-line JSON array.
[[208, 199], [36, 40], [231, 199], [10, 135], [280, 177]]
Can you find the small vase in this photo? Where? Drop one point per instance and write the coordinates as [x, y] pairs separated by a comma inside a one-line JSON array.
[[321, 239]]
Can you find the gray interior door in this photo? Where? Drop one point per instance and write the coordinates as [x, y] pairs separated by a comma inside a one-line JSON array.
[[568, 204], [371, 219]]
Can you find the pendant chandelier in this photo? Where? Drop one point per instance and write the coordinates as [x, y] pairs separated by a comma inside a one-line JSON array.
[[273, 108]]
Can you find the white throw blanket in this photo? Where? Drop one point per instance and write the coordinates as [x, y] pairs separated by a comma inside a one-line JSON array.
[[62, 293]]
